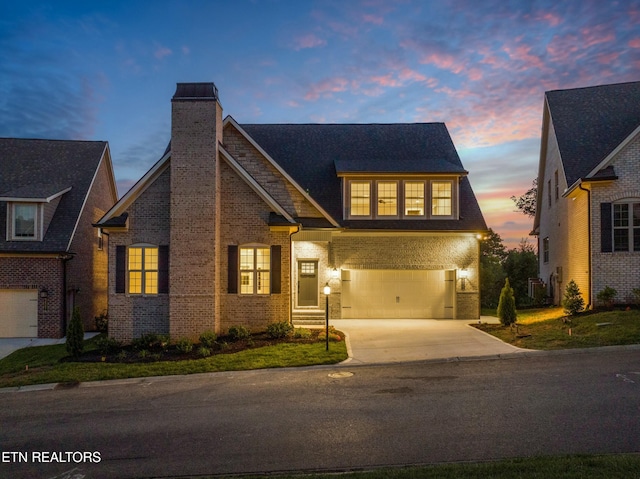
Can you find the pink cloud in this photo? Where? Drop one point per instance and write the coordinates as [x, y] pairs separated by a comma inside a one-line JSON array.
[[386, 80], [595, 36], [375, 19], [634, 43], [443, 61], [326, 87], [162, 52], [522, 54], [551, 18], [308, 41], [607, 58]]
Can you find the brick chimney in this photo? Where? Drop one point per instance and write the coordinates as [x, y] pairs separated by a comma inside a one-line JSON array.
[[196, 130]]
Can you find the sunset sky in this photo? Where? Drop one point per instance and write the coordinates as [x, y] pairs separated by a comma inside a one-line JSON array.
[[106, 70]]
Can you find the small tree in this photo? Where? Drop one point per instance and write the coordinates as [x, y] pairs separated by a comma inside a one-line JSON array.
[[607, 296], [573, 302], [507, 305], [75, 334]]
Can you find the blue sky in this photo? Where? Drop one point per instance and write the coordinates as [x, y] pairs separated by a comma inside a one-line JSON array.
[[106, 70]]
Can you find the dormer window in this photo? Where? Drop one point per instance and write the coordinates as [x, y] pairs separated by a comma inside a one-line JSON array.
[[24, 221], [398, 198]]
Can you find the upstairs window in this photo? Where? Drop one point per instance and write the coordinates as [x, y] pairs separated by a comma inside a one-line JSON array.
[[387, 198], [414, 198], [626, 227], [255, 270], [24, 224], [441, 198], [143, 270], [360, 198], [545, 250]]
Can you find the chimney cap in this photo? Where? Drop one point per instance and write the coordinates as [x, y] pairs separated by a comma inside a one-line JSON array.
[[190, 91]]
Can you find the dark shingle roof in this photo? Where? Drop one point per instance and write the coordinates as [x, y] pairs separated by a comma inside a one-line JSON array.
[[39, 169], [591, 122], [314, 154]]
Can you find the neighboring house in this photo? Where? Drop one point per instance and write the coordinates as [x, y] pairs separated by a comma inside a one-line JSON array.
[[245, 224], [51, 257], [588, 205]]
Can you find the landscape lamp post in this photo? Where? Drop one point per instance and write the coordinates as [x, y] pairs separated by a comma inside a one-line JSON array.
[[327, 292]]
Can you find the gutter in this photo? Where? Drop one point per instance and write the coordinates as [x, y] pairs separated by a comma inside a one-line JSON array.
[[589, 240]]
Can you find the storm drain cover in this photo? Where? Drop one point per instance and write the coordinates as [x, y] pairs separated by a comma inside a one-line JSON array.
[[340, 375]]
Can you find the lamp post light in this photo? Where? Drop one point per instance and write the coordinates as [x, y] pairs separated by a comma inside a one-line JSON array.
[[327, 291]]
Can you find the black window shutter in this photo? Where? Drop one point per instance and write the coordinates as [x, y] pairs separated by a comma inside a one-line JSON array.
[[232, 269], [121, 262], [606, 228], [163, 269], [276, 276]]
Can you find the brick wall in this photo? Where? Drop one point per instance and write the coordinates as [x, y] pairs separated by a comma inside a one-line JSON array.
[[38, 273], [131, 316]]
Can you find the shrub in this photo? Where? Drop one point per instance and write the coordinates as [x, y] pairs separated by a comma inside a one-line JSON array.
[[204, 352], [573, 302], [507, 305], [151, 341], [279, 330], [184, 346], [208, 339], [302, 333], [102, 322], [237, 333], [635, 292], [75, 334], [107, 345], [607, 296]]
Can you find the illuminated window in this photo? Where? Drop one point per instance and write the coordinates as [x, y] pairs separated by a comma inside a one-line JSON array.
[[441, 198], [387, 198], [255, 274], [545, 250], [143, 270], [360, 198], [25, 221], [626, 227], [414, 198]]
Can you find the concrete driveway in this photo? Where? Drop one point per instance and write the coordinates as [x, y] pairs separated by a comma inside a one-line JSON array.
[[399, 340]]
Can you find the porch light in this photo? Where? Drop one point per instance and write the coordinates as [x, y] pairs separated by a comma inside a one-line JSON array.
[[463, 276], [44, 294], [327, 291], [335, 273]]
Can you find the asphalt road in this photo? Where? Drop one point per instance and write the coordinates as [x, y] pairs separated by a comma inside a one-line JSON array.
[[308, 419]]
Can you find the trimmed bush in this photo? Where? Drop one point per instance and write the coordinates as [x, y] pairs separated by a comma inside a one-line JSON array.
[[204, 352], [75, 334], [208, 339], [102, 322], [573, 302], [236, 333], [184, 346], [151, 341], [507, 305], [107, 345], [301, 333], [279, 330], [607, 296]]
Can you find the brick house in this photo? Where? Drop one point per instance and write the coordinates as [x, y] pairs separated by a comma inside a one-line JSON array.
[[51, 257], [588, 204], [245, 224]]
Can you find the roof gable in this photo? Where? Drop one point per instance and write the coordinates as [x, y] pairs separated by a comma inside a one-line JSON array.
[[41, 171], [590, 123]]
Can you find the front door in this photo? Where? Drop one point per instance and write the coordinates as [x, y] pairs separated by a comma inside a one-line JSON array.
[[307, 283]]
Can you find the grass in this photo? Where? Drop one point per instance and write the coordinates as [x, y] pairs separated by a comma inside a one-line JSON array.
[[548, 329], [47, 364], [623, 466]]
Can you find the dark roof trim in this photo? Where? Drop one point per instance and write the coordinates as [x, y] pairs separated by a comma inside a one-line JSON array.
[[195, 91], [27, 196]]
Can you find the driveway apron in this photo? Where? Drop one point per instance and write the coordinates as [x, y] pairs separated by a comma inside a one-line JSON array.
[[399, 340]]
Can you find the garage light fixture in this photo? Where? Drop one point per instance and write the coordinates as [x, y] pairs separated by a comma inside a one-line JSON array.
[[463, 273], [335, 273]]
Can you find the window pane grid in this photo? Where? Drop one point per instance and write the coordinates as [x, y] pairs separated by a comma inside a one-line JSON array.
[[441, 198], [143, 270], [255, 264], [360, 199], [387, 199], [414, 198]]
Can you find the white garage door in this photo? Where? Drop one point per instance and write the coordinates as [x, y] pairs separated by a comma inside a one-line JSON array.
[[397, 294], [19, 313]]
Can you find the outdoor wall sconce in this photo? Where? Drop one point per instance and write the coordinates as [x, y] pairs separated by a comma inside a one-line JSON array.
[[335, 273], [463, 277], [327, 291]]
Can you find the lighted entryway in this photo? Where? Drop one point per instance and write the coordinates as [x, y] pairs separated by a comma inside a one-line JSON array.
[[414, 294], [19, 313]]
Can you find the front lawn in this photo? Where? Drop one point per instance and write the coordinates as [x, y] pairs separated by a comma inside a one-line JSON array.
[[549, 328], [51, 364]]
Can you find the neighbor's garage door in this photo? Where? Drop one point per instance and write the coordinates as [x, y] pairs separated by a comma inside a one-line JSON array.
[[397, 294], [18, 313]]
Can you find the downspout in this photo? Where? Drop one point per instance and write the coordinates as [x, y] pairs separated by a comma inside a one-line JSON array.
[[65, 259], [589, 240], [291, 273]]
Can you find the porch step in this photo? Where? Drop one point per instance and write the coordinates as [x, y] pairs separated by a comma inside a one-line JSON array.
[[308, 318]]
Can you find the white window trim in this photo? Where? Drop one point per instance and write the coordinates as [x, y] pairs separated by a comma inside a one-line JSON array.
[[11, 225], [629, 228], [143, 270], [453, 198], [425, 200], [399, 202]]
